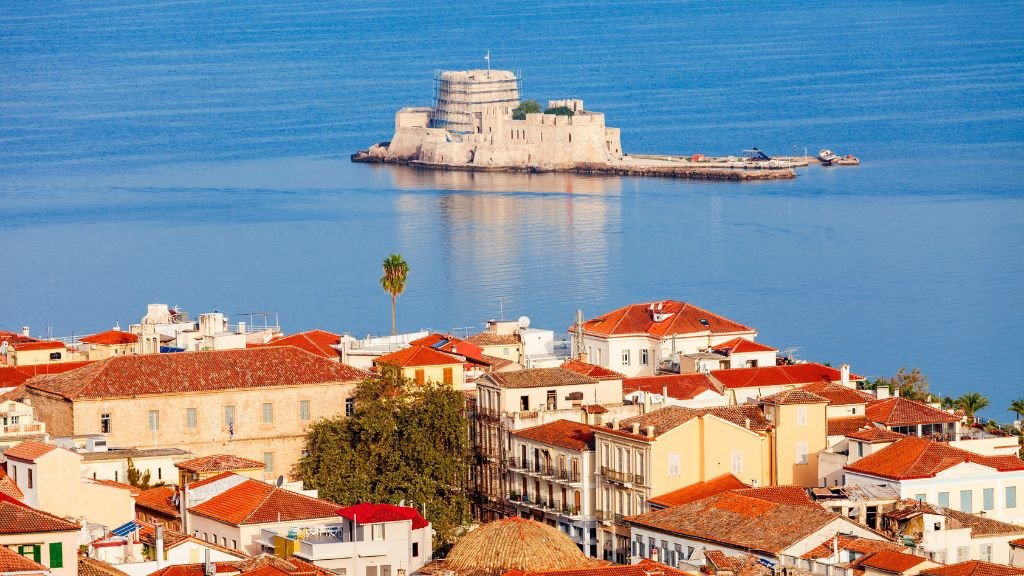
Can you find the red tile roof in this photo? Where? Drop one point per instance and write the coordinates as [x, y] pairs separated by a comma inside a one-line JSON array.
[[891, 561], [452, 345], [684, 318], [12, 337], [912, 457], [763, 376], [492, 339], [974, 568], [126, 376], [11, 376], [846, 425], [262, 565], [853, 543], [11, 561], [211, 479], [742, 346], [16, 517], [9, 487], [120, 485], [539, 378], [158, 500], [698, 491], [1019, 542], [670, 417], [93, 567], [592, 370], [418, 356], [111, 337], [218, 463], [789, 495], [38, 345], [29, 450], [872, 434], [563, 433], [644, 567], [367, 513], [837, 394], [900, 411], [317, 342], [254, 502], [680, 386], [793, 397]]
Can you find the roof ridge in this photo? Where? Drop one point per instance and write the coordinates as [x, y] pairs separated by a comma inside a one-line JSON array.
[[256, 508]]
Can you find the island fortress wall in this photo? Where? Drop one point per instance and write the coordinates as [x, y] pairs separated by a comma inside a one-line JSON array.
[[483, 133]]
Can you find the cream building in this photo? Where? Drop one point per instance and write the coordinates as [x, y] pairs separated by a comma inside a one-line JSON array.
[[39, 536], [947, 536], [501, 339], [255, 403], [37, 352], [110, 343], [423, 364]]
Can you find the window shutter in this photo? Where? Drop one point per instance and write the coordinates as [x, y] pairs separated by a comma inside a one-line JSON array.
[[56, 555]]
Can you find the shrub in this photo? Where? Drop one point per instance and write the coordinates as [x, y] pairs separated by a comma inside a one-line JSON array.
[[525, 107], [560, 111]]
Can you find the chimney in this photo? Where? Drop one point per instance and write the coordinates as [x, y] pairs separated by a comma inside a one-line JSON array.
[[159, 546], [746, 423], [664, 394], [615, 423], [24, 331], [241, 328], [650, 431], [882, 392], [844, 377], [584, 357], [636, 428]]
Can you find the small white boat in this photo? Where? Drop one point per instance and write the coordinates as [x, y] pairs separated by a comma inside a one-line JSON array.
[[827, 156]]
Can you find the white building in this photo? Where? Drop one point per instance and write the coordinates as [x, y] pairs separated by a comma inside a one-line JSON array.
[[947, 536]]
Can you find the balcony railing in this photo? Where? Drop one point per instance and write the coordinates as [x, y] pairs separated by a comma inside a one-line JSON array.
[[36, 427], [621, 477]]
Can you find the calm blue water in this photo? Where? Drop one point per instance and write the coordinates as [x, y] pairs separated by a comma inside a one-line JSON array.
[[196, 153]]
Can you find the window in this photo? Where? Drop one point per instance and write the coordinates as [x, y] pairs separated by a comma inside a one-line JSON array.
[[234, 545], [378, 532], [154, 420], [673, 464], [639, 463], [190, 417], [105, 423], [986, 553], [303, 409], [268, 413], [421, 377], [56, 555], [55, 356], [919, 497], [229, 416], [801, 453], [966, 499], [524, 403], [385, 570], [988, 496], [860, 449], [944, 499], [644, 357], [268, 461], [1011, 497], [449, 377], [552, 398], [801, 416], [30, 551], [30, 482], [736, 462], [350, 406], [963, 553], [625, 357], [415, 549]]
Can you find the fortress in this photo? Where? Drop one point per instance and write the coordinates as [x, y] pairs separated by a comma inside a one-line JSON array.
[[471, 126]]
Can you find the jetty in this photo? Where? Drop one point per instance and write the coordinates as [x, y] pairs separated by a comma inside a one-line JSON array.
[[476, 123]]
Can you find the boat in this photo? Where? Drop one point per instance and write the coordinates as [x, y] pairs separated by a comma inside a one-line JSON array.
[[827, 156], [830, 158]]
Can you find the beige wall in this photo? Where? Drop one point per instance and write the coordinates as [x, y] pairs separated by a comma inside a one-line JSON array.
[[67, 540], [436, 374], [791, 431], [513, 352], [104, 351], [32, 357]]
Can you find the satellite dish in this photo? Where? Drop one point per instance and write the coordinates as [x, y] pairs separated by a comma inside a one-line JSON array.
[[280, 481], [524, 322]]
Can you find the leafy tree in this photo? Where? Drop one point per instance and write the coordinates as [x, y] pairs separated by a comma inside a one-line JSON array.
[[525, 107], [912, 385], [971, 403], [138, 479], [396, 272], [404, 442], [1017, 407], [560, 111]]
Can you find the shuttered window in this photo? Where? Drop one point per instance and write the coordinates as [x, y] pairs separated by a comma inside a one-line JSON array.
[[56, 555]]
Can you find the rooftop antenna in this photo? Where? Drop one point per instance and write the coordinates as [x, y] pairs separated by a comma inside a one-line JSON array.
[[501, 306], [578, 353], [488, 58]]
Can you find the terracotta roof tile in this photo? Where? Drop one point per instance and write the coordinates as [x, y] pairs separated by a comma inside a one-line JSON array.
[[789, 495], [670, 417], [562, 433], [744, 415], [872, 434], [452, 345], [9, 487], [111, 337], [763, 376], [254, 502], [539, 378], [698, 491], [218, 463], [11, 376], [900, 411], [514, 544], [837, 394], [592, 370], [974, 568], [743, 346], [367, 513], [644, 567], [846, 425], [120, 485], [317, 342], [891, 561], [211, 479], [419, 356], [913, 457], [262, 565], [680, 386], [492, 339], [11, 561], [793, 397], [19, 518], [37, 345], [158, 500], [134, 375], [93, 567], [853, 543], [29, 450], [683, 318], [1019, 542], [982, 525]]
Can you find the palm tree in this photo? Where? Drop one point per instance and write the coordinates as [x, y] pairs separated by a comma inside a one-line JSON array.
[[393, 281], [971, 403], [1017, 407]]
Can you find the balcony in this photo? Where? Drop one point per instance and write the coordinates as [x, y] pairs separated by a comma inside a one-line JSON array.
[[328, 542], [18, 429], [621, 477]]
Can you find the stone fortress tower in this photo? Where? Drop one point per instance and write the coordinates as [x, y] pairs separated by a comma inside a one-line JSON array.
[[470, 125]]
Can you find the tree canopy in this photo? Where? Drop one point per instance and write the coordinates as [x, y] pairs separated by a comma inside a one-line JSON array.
[[396, 272], [404, 442], [525, 107], [560, 111], [971, 403], [1017, 407], [912, 384]]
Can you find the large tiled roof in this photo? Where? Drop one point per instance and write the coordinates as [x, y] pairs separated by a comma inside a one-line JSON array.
[[668, 418], [746, 416], [683, 318], [262, 565], [367, 513], [974, 568], [739, 520], [37, 345], [492, 339], [793, 397], [592, 370], [111, 337], [846, 425], [837, 394], [900, 411], [452, 345], [788, 495], [562, 433], [891, 561], [19, 518], [29, 450], [319, 342], [698, 491], [644, 567], [188, 372], [93, 567], [872, 434], [742, 346], [912, 457], [158, 500], [12, 562], [540, 378], [982, 525], [254, 502], [680, 386], [11, 376], [853, 543], [218, 463], [790, 374], [514, 544], [419, 356]]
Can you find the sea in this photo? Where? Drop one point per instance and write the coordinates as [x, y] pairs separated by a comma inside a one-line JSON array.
[[196, 153]]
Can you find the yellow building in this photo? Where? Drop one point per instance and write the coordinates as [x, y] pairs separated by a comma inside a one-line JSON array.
[[110, 343], [37, 352], [501, 340], [800, 434], [423, 364], [254, 403]]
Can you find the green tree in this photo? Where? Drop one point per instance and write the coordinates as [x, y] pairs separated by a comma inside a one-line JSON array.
[[138, 479], [525, 107], [396, 272], [972, 403], [404, 442], [912, 384], [1017, 407], [560, 111]]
